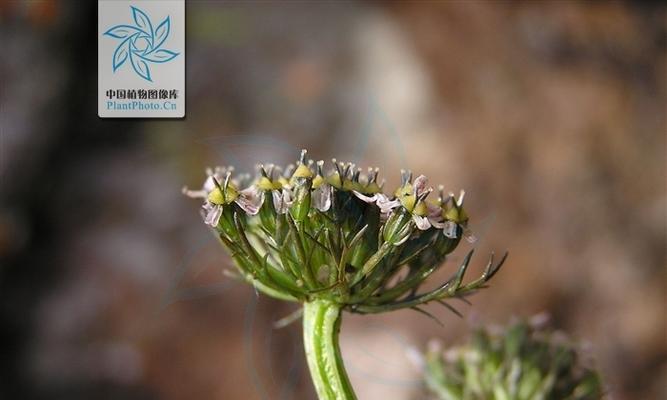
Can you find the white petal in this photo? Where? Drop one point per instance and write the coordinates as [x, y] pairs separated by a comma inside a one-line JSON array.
[[389, 207], [363, 197], [470, 237], [415, 356], [278, 202], [381, 197], [213, 213], [287, 196], [195, 194], [419, 185], [437, 224], [450, 229], [322, 197], [281, 200], [385, 204], [209, 183], [250, 200], [421, 222], [434, 211]]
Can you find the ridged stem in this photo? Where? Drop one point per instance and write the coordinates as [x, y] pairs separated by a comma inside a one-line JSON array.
[[321, 326]]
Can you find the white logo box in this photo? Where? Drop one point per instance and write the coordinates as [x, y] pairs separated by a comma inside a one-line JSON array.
[[141, 59]]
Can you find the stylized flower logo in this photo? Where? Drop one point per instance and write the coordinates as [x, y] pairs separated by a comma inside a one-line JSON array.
[[141, 43]]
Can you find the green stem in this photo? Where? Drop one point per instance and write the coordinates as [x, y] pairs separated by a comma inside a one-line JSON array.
[[321, 325]]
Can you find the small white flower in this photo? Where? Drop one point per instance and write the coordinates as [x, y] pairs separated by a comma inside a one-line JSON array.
[[369, 185], [212, 175], [451, 217], [249, 200], [410, 196]]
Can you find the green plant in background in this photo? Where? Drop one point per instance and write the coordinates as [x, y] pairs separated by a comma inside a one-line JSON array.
[[336, 242], [524, 361]]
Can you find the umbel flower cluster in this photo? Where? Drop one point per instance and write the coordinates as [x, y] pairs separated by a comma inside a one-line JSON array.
[[303, 234], [523, 361]]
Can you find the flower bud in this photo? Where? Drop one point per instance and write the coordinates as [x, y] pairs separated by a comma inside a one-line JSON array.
[[302, 197], [267, 214], [368, 244], [397, 229]]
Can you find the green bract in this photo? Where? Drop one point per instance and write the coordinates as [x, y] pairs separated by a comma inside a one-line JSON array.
[[301, 235], [521, 362]]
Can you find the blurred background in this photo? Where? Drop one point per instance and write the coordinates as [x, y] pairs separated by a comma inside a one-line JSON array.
[[550, 114]]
